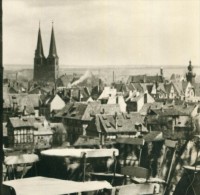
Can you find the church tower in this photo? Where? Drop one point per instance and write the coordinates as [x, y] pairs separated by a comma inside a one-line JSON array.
[[46, 69], [190, 76], [53, 59], [39, 59]]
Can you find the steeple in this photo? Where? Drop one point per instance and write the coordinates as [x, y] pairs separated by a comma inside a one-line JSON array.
[[190, 75], [52, 49], [39, 49]]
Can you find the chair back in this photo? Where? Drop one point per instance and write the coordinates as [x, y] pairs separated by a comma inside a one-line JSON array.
[[139, 172]]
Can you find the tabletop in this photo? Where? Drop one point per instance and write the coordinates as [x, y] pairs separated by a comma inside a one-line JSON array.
[[78, 153], [21, 159], [51, 186]]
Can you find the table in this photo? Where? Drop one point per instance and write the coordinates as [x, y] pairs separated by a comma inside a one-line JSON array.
[[51, 186], [78, 153], [24, 161], [135, 189], [21, 159]]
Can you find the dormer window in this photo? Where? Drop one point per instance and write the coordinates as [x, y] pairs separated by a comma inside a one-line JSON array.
[[138, 126]]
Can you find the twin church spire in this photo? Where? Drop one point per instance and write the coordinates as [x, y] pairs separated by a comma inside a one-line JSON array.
[[52, 49], [46, 69]]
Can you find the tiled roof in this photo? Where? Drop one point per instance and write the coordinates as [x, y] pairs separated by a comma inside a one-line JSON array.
[[166, 112], [63, 112], [153, 136], [87, 141], [123, 123], [147, 106], [29, 100], [175, 110], [26, 121], [120, 87], [186, 109], [167, 87], [197, 89], [134, 97], [138, 87], [145, 79], [58, 126], [86, 111], [161, 87]]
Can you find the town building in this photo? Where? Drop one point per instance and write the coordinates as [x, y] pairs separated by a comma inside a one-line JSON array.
[[76, 116], [111, 126], [29, 133]]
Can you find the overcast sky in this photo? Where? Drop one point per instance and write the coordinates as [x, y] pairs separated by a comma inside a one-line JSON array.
[[104, 32]]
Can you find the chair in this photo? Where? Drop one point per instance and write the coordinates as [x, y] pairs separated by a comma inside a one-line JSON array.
[[134, 189], [17, 166], [111, 177], [139, 174], [8, 190]]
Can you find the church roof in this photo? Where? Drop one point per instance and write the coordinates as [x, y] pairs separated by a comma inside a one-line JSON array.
[[39, 49], [52, 49]]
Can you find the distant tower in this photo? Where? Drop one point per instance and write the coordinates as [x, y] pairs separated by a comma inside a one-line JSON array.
[[190, 76], [161, 71], [39, 59], [53, 59], [46, 69]]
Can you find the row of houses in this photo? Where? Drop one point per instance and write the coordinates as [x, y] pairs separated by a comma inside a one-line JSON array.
[[142, 105]]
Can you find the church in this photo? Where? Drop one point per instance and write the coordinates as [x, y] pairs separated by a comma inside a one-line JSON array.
[[46, 69]]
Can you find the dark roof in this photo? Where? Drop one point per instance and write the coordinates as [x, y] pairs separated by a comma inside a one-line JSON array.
[[25, 121], [39, 49], [161, 87], [58, 127], [153, 136], [86, 111], [197, 89], [145, 79], [87, 141], [175, 110], [144, 110], [136, 86], [52, 49], [135, 97], [123, 123], [120, 87], [30, 101]]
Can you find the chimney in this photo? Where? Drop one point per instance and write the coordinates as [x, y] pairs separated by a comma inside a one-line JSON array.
[[117, 99], [79, 95], [186, 105], [24, 110], [145, 98], [161, 71], [70, 94], [144, 78], [115, 120], [99, 83], [162, 109], [113, 76], [103, 111]]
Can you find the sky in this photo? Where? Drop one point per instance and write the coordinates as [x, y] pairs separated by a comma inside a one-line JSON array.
[[104, 32]]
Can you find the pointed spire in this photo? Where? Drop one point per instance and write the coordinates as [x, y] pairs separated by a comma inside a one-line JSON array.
[[39, 49], [52, 49]]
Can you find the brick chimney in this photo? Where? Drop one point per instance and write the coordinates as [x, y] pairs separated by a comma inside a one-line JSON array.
[[116, 120]]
